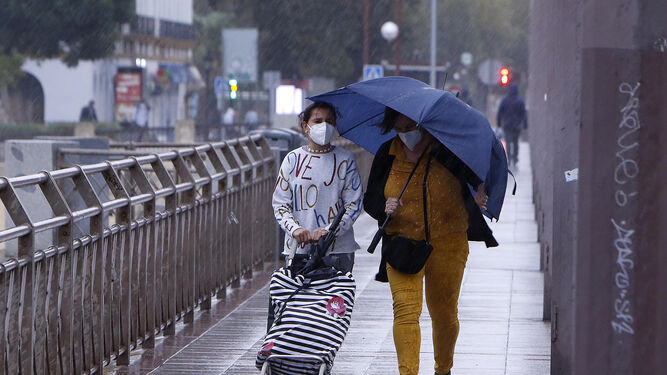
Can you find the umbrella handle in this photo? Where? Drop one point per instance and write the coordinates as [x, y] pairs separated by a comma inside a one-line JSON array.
[[376, 240], [378, 236]]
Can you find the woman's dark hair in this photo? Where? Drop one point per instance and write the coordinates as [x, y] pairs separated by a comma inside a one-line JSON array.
[[305, 115], [389, 120]]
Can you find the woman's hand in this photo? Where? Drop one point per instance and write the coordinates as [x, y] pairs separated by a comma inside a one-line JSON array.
[[480, 197], [302, 235], [317, 234], [392, 206]]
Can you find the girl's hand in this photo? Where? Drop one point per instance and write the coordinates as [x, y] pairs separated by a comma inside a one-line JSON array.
[[302, 235], [317, 234], [480, 197], [392, 206]]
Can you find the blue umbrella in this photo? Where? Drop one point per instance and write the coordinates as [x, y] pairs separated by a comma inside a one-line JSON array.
[[459, 127]]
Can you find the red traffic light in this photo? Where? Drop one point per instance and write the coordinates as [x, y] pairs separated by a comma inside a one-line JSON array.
[[504, 76]]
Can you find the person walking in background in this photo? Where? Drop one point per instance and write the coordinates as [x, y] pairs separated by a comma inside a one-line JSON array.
[[251, 118], [88, 113], [229, 117], [315, 182], [437, 207], [512, 119], [141, 118]]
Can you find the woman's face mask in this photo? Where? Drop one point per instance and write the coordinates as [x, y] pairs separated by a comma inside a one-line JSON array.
[[411, 138], [321, 133]]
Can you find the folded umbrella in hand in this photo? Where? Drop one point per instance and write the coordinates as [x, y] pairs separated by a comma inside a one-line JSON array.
[[319, 250]]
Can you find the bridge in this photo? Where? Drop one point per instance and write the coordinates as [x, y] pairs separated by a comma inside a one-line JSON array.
[[158, 260]]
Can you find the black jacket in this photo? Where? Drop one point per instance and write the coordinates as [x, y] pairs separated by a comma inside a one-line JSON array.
[[374, 199], [512, 111]]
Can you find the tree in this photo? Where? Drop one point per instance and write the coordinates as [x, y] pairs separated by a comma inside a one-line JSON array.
[[68, 29]]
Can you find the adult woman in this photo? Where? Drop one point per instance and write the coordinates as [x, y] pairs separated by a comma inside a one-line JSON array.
[[453, 219], [314, 183]]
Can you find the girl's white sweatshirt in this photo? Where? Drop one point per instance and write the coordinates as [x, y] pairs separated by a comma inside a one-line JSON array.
[[311, 189]]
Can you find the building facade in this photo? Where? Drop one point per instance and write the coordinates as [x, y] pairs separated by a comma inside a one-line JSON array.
[[152, 62]]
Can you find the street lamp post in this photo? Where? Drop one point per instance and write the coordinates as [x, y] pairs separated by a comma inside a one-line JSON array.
[[433, 40], [389, 31]]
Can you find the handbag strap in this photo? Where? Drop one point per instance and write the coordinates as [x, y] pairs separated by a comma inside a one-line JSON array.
[[426, 229], [413, 171]]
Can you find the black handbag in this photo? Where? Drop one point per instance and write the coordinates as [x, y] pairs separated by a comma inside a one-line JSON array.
[[404, 254]]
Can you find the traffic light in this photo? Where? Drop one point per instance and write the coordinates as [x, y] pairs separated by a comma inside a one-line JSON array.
[[233, 89], [504, 76]]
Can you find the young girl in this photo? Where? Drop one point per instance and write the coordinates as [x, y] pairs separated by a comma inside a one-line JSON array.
[[314, 183]]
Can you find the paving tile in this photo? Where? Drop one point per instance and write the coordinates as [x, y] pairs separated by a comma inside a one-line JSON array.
[[528, 338]]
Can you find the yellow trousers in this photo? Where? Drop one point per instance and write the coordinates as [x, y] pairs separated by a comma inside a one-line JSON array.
[[443, 274]]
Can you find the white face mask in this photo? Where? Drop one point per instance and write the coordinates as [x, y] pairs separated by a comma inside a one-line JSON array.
[[411, 138], [321, 133]]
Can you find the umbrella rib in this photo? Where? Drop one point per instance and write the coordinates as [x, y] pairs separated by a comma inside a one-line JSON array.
[[361, 123]]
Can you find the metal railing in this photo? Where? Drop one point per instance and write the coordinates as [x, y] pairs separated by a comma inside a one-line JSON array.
[[174, 230]]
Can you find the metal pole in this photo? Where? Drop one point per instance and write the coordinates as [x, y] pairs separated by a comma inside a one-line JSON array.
[[397, 43], [367, 6], [434, 23]]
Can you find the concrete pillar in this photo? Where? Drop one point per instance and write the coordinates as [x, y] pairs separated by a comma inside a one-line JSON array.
[[541, 101], [621, 289], [563, 117], [184, 132]]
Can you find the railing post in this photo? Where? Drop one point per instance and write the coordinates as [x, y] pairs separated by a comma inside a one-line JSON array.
[[245, 213], [123, 219], [258, 170], [147, 288], [91, 199], [261, 152], [233, 238], [26, 248], [187, 252], [169, 260], [55, 317], [218, 221], [203, 243]]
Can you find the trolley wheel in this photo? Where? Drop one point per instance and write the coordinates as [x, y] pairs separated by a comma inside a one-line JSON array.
[[266, 368]]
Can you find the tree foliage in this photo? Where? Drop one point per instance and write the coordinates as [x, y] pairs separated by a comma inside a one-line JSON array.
[[68, 29]]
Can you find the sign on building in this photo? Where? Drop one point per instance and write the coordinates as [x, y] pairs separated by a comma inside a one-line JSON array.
[[127, 92]]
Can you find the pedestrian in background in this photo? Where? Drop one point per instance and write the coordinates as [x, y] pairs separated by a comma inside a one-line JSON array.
[[141, 118], [251, 118], [436, 207], [88, 113], [512, 119], [315, 182]]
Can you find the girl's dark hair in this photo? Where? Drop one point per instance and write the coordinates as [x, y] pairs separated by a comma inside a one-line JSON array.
[[305, 115], [389, 120]]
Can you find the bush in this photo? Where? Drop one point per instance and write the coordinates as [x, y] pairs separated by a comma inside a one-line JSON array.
[[27, 131]]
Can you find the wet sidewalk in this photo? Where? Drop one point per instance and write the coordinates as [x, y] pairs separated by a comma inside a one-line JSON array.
[[500, 311]]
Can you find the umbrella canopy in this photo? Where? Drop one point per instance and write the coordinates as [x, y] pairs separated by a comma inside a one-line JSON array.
[[459, 127]]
